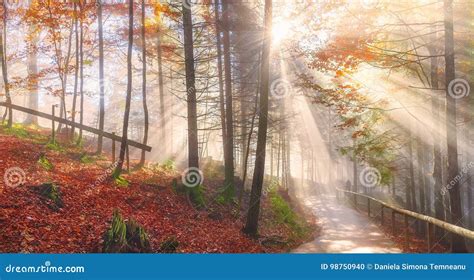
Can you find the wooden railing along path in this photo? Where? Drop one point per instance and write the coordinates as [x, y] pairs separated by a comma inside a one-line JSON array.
[[430, 221]]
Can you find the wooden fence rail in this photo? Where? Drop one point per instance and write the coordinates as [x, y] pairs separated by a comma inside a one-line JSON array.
[[96, 131], [430, 221]]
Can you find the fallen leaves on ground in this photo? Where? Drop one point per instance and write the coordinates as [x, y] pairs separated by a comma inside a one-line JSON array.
[[27, 224]]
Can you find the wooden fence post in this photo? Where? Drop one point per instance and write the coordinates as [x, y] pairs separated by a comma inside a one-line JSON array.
[[381, 215], [53, 131], [406, 231], [393, 222], [368, 206], [429, 235], [128, 159], [113, 148]]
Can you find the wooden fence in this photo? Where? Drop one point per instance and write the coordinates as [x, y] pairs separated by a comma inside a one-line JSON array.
[[93, 130], [430, 221]]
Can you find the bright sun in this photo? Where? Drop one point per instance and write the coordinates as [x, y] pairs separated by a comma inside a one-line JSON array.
[[280, 32]]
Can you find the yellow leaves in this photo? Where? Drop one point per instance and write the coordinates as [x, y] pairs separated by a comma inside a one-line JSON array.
[[150, 23], [159, 9], [339, 73]]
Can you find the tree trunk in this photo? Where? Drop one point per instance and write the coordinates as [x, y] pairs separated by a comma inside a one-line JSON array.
[[354, 167], [76, 71], [161, 93], [219, 74], [229, 141], [421, 181], [32, 69], [247, 147], [193, 145], [81, 75], [63, 110], [101, 76], [145, 106], [3, 57], [458, 244], [251, 226], [437, 167], [410, 195], [128, 100]]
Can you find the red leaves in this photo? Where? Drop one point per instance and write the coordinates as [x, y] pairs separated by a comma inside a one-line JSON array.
[[28, 225]]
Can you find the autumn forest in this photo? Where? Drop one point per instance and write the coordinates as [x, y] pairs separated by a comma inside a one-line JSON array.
[[236, 126]]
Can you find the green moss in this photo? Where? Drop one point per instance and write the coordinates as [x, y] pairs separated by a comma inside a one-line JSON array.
[[168, 165], [45, 163], [125, 236], [51, 191], [121, 182], [54, 146], [220, 199], [196, 195], [285, 215], [17, 130], [170, 245], [86, 159], [174, 185]]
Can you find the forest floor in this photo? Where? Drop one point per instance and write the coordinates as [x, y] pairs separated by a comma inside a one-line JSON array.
[[31, 222]]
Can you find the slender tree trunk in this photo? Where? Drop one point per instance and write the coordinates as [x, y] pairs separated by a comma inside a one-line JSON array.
[[251, 226], [81, 74], [76, 71], [32, 69], [421, 181], [3, 57], [278, 155], [219, 74], [128, 100], [63, 110], [193, 145], [411, 177], [101, 76], [437, 165], [229, 142], [162, 94], [145, 106], [458, 244], [354, 167], [247, 148]]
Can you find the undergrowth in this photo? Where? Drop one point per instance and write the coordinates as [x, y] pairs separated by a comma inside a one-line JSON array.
[[125, 236], [285, 215]]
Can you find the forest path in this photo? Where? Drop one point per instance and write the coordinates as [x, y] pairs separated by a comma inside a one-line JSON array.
[[344, 230]]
